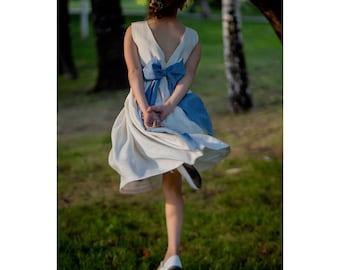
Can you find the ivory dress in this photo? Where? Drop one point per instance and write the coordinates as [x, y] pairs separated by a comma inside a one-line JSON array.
[[141, 156]]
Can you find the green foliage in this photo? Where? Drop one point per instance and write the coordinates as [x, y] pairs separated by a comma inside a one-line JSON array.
[[234, 222]]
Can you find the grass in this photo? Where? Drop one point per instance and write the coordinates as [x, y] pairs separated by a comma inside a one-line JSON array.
[[234, 222]]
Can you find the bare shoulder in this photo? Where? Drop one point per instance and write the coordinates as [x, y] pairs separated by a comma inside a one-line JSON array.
[[128, 34]]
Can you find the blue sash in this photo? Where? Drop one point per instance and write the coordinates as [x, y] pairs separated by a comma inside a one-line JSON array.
[[191, 104]]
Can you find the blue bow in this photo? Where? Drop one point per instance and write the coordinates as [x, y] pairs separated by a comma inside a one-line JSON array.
[[153, 72], [191, 104]]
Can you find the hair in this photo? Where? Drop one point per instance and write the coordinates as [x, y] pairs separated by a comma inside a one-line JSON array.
[[164, 8]]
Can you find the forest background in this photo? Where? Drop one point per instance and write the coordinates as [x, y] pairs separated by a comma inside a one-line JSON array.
[[235, 221], [28, 197]]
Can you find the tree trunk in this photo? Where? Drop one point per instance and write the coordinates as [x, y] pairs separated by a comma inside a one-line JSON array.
[[272, 10], [235, 65], [205, 8], [109, 28], [65, 57]]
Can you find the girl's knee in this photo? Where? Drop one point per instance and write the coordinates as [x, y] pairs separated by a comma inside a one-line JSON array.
[[172, 184]]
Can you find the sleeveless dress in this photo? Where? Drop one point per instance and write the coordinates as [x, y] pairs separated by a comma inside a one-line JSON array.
[[141, 156]]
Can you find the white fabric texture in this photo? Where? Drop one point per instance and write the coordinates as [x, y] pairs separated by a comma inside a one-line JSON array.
[[141, 156]]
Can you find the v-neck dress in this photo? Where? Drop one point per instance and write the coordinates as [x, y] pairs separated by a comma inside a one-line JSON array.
[[141, 156]]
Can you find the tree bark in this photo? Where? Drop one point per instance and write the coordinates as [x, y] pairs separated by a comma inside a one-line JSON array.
[[109, 28], [235, 65], [272, 10]]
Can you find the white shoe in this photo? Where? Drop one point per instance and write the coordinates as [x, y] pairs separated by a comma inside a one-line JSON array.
[[173, 263], [191, 175]]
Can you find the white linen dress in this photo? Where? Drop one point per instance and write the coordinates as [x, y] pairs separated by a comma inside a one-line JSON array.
[[141, 156]]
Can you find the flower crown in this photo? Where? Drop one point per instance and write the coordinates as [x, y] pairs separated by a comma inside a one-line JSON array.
[[158, 5], [145, 2]]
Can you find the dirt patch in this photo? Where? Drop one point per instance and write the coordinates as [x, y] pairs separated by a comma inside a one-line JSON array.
[[90, 114]]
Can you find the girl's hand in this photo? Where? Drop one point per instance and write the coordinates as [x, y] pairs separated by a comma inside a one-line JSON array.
[[151, 119], [162, 110]]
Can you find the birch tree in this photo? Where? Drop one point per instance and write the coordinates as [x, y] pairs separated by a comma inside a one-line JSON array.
[[239, 93]]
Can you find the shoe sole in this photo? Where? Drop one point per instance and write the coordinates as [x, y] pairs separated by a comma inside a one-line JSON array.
[[190, 173], [175, 268]]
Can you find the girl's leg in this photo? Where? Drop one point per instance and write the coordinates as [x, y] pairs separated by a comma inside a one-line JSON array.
[[174, 211]]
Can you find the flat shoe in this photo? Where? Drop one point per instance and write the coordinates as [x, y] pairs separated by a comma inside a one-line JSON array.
[[173, 263], [191, 175]]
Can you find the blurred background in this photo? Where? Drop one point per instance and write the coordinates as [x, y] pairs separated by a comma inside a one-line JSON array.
[[235, 221]]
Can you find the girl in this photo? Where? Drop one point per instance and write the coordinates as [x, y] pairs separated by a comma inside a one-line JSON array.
[[163, 133]]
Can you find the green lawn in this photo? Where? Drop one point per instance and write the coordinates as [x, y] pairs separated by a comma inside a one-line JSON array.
[[234, 222]]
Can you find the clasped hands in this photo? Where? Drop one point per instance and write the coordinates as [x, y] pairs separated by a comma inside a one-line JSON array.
[[154, 115]]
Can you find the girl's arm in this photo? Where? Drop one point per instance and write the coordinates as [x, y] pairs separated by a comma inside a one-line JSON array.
[[182, 86], [136, 81]]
